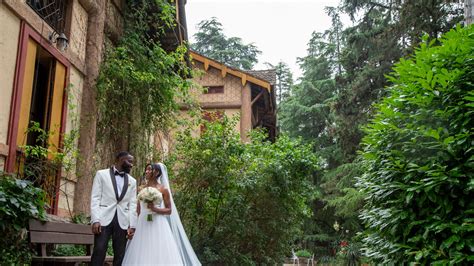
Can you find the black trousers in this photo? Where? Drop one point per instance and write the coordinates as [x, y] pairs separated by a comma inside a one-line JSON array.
[[119, 243]]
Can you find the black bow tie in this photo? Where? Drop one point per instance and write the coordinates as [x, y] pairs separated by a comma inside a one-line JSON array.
[[122, 174]]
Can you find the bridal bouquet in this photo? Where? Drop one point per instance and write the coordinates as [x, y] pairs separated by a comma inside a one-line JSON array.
[[150, 195]]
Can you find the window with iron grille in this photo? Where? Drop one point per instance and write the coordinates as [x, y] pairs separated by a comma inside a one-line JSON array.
[[51, 11]]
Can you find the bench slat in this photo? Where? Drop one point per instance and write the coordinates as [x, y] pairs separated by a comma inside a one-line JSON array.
[[60, 238], [36, 225], [69, 259]]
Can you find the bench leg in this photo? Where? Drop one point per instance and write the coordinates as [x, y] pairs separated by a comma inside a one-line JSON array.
[[43, 250]]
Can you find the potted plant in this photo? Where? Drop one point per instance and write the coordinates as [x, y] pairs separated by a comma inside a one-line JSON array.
[[303, 255]]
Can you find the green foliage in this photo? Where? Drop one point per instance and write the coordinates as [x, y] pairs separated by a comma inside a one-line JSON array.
[[139, 81], [419, 161], [211, 42], [40, 162], [284, 80], [303, 253], [77, 250], [384, 32], [20, 201], [81, 218], [308, 113], [242, 204], [69, 250], [343, 75]]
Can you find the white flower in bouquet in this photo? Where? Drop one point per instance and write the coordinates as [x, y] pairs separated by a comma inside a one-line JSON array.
[[150, 195]]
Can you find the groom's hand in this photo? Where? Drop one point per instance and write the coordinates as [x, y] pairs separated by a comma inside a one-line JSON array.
[[130, 233], [96, 228]]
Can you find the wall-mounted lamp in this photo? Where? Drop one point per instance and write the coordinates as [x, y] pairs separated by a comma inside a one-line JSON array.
[[60, 40]]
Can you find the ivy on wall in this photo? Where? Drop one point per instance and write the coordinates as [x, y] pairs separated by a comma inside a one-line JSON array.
[[139, 82]]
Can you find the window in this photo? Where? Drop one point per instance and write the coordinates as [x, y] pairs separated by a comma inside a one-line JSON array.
[[42, 102], [51, 11], [214, 89]]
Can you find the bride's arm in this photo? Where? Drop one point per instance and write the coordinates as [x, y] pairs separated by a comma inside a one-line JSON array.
[[166, 198]]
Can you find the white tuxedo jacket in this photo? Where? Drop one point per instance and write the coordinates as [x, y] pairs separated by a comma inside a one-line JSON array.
[[105, 200]]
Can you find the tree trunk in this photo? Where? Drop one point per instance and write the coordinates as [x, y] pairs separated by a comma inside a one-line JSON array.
[[87, 139], [468, 11]]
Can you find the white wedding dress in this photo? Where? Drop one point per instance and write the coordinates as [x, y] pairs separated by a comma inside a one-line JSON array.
[[162, 241], [153, 242]]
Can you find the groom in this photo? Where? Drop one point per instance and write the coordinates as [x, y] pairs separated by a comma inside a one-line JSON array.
[[113, 209]]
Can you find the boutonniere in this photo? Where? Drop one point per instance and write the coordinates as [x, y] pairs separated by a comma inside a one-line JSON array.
[[129, 184]]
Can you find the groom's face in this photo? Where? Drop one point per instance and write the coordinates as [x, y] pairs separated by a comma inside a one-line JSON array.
[[126, 163]]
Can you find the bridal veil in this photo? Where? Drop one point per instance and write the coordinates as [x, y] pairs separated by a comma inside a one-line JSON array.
[[186, 250]]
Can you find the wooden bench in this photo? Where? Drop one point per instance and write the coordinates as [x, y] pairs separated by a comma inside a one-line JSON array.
[[43, 234]]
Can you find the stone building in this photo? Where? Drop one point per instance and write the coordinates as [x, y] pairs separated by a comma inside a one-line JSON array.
[[50, 54], [249, 95], [231, 91]]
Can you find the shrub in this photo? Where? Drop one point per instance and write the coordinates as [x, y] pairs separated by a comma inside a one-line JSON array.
[[303, 253], [20, 201], [419, 159], [242, 204]]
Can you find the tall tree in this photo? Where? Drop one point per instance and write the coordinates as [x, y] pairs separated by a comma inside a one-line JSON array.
[[384, 32], [284, 80], [212, 42], [305, 112], [354, 61]]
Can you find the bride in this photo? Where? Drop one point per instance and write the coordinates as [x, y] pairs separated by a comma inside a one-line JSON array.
[[159, 237]]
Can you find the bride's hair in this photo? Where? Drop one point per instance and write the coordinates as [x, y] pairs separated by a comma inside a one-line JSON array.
[[156, 167]]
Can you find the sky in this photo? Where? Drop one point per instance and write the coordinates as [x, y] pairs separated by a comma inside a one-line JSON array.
[[281, 29]]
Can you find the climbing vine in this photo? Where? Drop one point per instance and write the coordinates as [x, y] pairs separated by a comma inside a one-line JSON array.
[[139, 81]]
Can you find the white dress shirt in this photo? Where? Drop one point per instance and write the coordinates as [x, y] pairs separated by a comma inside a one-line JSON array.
[[119, 179]]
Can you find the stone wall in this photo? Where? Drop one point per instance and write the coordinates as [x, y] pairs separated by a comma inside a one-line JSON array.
[[85, 34], [9, 36], [78, 31], [68, 180]]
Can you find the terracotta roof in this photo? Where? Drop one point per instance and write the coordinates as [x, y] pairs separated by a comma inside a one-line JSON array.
[[268, 75]]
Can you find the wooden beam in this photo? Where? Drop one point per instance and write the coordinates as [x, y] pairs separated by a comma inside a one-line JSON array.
[[244, 79], [254, 122], [246, 114], [216, 105], [228, 70], [258, 97], [224, 71]]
